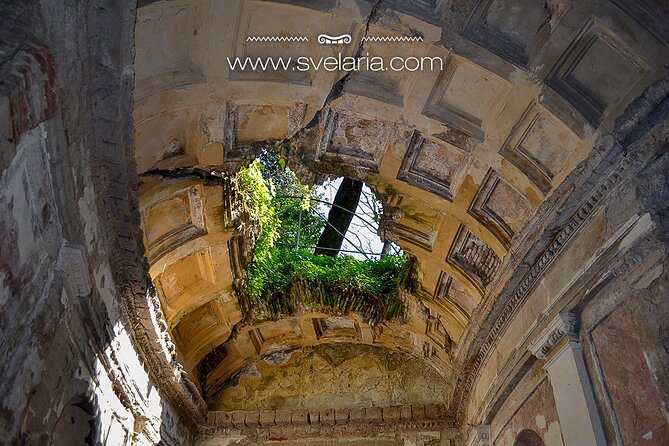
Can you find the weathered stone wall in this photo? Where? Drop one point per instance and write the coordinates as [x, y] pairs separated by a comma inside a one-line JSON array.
[[349, 375], [624, 319], [86, 357], [537, 413], [71, 372], [611, 276]]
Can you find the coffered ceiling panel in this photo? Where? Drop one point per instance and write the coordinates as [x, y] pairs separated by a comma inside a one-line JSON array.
[[355, 139], [596, 71], [463, 96], [501, 208], [462, 157]]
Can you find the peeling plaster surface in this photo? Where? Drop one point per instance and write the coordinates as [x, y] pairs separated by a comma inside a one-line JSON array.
[[331, 376], [537, 413], [631, 385], [529, 178]]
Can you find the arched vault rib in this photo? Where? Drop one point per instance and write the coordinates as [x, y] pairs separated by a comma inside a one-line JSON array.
[[463, 156], [194, 274], [428, 183]]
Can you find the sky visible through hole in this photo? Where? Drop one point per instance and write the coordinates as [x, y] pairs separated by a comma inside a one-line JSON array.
[[362, 240]]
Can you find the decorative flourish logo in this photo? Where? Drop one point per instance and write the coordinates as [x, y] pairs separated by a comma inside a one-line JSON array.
[[335, 62], [277, 39], [391, 39], [324, 39]]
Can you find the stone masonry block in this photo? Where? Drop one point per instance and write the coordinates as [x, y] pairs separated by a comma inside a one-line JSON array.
[[283, 416], [238, 418], [223, 419], [300, 417], [432, 411], [314, 417], [418, 412], [267, 418], [391, 413], [357, 414], [327, 416], [374, 414], [252, 418], [341, 416]]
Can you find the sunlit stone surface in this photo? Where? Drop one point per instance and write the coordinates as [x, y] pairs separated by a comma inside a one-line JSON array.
[[528, 178]]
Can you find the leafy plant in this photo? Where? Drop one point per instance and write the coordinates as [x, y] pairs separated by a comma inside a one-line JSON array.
[[298, 278], [284, 277]]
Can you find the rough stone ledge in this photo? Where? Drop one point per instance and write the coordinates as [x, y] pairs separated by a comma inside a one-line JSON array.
[[297, 422]]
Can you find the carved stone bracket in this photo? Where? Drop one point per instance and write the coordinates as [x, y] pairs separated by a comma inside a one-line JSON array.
[[564, 325], [572, 388]]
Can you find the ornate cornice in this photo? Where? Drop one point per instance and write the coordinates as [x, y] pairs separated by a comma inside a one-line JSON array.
[[609, 164], [303, 423], [561, 326], [539, 268], [115, 179]]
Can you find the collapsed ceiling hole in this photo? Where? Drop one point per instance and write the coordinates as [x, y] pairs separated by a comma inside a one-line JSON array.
[[317, 247]]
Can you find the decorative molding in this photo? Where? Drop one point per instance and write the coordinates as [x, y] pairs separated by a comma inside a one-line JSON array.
[[461, 86], [189, 228], [430, 11], [471, 256], [538, 21], [563, 325], [384, 86], [653, 15], [400, 232], [443, 286], [304, 423], [337, 326], [447, 114], [335, 147], [199, 265], [72, 262], [111, 163], [230, 133], [235, 151], [481, 210], [436, 331], [568, 230], [447, 291], [272, 18], [523, 159], [412, 173]]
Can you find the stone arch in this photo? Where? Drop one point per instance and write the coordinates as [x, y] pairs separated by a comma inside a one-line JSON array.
[[528, 437], [200, 116]]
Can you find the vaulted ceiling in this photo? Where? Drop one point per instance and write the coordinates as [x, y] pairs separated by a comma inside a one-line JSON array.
[[463, 156]]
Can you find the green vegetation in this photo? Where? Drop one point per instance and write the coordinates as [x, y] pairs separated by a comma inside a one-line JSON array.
[[284, 277]]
